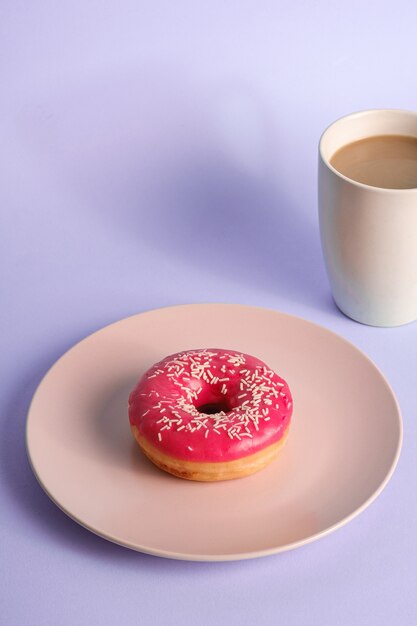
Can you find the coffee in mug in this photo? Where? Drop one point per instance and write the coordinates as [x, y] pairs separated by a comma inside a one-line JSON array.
[[388, 161]]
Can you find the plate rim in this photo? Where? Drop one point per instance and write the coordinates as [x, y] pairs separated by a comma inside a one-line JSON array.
[[233, 556]]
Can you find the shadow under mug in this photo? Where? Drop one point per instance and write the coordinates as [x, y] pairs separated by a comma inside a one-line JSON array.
[[368, 234]]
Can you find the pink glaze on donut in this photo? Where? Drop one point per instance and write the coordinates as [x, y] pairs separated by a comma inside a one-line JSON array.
[[210, 405]]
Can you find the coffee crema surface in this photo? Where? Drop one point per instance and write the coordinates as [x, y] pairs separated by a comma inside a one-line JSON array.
[[387, 161]]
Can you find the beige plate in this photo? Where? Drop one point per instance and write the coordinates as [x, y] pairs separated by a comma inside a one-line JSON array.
[[342, 448]]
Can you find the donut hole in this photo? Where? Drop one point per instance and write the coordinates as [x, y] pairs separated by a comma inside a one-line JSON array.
[[210, 408]]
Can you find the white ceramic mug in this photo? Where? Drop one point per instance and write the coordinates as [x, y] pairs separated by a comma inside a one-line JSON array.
[[368, 234]]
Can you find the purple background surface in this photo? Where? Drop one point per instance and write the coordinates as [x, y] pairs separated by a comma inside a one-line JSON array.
[[155, 153]]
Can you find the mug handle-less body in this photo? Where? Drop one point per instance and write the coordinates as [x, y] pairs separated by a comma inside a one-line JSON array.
[[368, 234]]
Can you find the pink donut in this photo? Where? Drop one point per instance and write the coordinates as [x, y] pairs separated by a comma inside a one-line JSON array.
[[210, 414]]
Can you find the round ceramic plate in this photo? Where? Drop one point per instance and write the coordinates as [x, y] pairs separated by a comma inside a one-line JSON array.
[[343, 445]]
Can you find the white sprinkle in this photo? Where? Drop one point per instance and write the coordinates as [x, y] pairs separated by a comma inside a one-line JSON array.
[[206, 433], [159, 436]]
